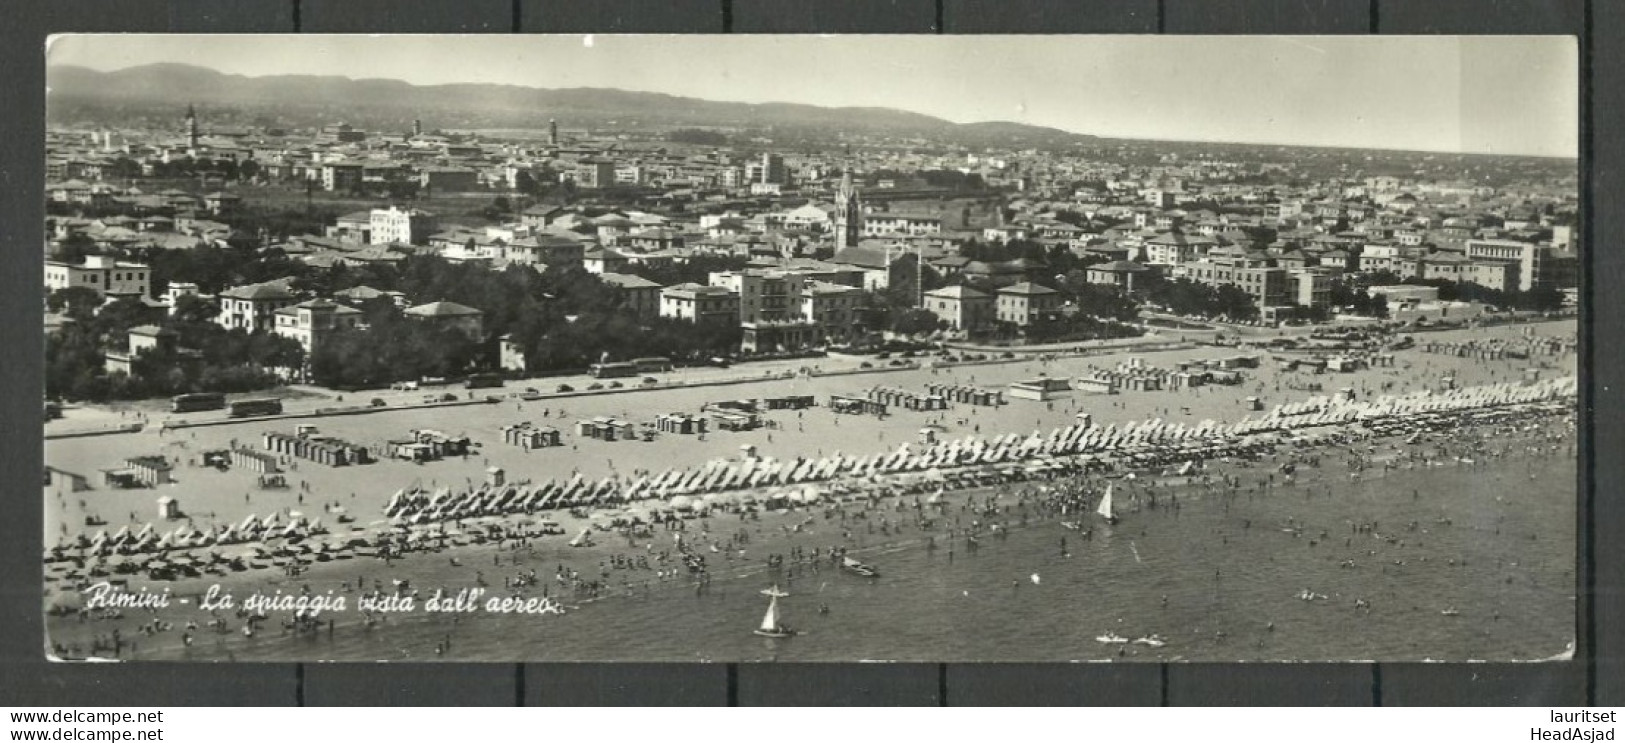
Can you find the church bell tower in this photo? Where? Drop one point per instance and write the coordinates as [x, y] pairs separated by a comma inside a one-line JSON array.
[[848, 214], [191, 126]]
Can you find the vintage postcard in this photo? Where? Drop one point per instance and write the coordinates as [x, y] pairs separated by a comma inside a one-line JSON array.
[[735, 348]]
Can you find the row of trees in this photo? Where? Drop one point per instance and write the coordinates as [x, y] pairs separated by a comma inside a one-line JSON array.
[[1541, 298], [199, 355], [1182, 296], [564, 318]]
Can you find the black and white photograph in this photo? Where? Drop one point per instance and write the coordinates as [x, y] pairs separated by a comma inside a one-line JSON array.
[[645, 348]]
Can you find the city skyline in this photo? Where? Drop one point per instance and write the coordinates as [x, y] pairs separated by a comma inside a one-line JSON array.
[[1433, 94]]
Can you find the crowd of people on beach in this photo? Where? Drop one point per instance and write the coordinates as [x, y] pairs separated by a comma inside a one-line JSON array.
[[691, 547]]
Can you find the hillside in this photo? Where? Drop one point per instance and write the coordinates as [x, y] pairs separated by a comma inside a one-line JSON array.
[[309, 100]]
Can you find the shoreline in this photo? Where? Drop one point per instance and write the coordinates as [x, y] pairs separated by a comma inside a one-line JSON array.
[[734, 574]]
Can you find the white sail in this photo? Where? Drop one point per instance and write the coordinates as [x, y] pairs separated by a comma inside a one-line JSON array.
[[770, 620], [1105, 509]]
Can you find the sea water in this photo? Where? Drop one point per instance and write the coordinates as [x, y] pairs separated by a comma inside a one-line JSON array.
[[1218, 579]]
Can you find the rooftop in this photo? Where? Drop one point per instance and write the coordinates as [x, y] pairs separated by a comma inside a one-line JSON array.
[[442, 309]]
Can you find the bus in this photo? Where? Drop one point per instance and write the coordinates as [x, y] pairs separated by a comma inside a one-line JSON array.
[[195, 401], [482, 381], [262, 406], [613, 369], [652, 364]]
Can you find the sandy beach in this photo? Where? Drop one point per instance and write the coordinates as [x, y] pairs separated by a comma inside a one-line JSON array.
[[623, 567]]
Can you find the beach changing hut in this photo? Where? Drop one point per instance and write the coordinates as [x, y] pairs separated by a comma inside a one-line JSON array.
[[321, 449], [682, 423], [1042, 389], [442, 445], [736, 421], [907, 400], [793, 402], [531, 436], [965, 394], [253, 460], [856, 405], [150, 472]]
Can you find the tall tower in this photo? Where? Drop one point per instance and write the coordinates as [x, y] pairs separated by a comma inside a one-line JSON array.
[[191, 126], [848, 213], [417, 127], [553, 132]]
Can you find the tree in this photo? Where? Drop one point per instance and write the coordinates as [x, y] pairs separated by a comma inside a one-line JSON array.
[[190, 308], [74, 248], [78, 302], [916, 322]]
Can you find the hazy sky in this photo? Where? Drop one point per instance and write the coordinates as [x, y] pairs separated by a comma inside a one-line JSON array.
[[1505, 95]]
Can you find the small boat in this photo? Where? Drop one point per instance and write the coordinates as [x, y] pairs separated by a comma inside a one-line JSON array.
[[858, 568], [1451, 612], [1105, 507], [1154, 641], [1072, 525], [1111, 638], [771, 626]]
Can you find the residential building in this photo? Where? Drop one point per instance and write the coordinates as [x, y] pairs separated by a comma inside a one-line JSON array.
[[341, 176], [312, 321], [595, 172], [764, 295], [603, 261], [1027, 302], [1175, 247], [700, 304], [961, 307], [1115, 273], [355, 227], [654, 239], [398, 225], [450, 315], [1267, 285], [141, 339], [510, 354], [106, 276], [772, 170], [883, 224], [253, 307], [1532, 260], [833, 308], [1311, 287], [638, 294]]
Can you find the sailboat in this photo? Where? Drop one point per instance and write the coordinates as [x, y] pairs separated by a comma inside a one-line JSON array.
[[771, 626], [1105, 508], [858, 568]]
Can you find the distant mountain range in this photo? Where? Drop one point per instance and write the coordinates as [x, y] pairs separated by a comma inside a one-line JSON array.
[[313, 99]]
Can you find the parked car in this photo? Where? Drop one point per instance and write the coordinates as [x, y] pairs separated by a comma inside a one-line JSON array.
[[650, 380], [566, 388], [377, 402], [594, 386], [616, 385]]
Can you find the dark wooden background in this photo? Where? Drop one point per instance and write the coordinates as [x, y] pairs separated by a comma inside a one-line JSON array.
[[1595, 677]]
